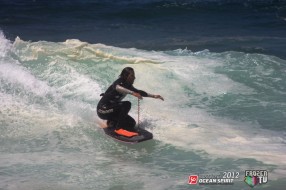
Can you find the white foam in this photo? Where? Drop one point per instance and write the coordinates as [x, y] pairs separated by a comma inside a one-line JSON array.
[[174, 121], [23, 118], [79, 85], [5, 45], [14, 73], [193, 128], [60, 71]]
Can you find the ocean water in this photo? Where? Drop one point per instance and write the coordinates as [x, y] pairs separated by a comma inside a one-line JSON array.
[[220, 65]]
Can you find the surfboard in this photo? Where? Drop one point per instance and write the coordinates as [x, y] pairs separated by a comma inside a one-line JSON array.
[[143, 135]]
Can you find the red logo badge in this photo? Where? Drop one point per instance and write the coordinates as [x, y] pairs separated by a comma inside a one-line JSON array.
[[193, 179]]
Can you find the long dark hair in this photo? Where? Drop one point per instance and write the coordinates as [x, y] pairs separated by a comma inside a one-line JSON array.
[[125, 72]]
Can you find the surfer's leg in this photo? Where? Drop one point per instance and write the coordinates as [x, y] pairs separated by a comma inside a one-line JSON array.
[[109, 113], [111, 122], [125, 107], [116, 114], [129, 123], [124, 121]]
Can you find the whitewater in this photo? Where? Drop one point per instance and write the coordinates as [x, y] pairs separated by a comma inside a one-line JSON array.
[[222, 112]]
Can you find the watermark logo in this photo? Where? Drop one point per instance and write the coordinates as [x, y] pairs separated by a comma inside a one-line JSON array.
[[223, 178], [254, 177], [251, 180], [193, 179]]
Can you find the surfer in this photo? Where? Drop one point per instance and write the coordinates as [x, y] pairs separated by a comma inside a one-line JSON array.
[[114, 110]]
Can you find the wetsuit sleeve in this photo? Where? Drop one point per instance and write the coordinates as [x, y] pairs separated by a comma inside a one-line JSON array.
[[123, 90], [141, 92], [120, 87]]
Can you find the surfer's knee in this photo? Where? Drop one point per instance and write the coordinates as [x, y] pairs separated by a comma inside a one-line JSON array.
[[127, 105]]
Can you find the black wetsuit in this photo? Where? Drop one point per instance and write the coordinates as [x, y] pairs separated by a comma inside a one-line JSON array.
[[112, 108]]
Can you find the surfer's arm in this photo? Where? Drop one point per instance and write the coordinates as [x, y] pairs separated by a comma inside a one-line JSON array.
[[145, 94], [141, 92], [123, 90], [135, 92], [156, 96]]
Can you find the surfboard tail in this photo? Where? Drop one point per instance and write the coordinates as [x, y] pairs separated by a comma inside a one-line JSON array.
[[143, 135]]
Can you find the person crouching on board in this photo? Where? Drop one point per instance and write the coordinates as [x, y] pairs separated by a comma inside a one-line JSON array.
[[114, 110]]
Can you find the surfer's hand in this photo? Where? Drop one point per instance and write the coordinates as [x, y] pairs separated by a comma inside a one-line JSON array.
[[158, 97], [137, 95]]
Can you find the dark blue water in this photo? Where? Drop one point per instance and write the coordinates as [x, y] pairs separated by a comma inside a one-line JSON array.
[[218, 25]]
